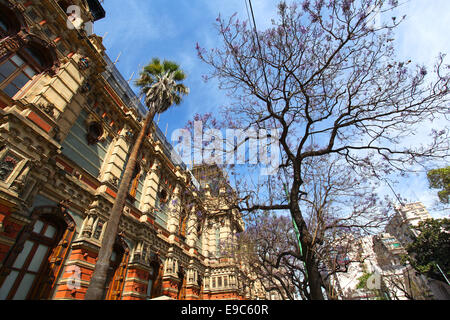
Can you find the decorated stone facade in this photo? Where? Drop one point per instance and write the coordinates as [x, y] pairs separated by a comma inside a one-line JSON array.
[[68, 121]]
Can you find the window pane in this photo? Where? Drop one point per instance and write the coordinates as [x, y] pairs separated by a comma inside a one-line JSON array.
[[20, 260], [152, 271], [50, 232], [7, 68], [17, 60], [38, 226], [36, 56], [24, 288], [39, 256], [29, 72], [3, 25], [21, 80], [7, 285], [10, 90]]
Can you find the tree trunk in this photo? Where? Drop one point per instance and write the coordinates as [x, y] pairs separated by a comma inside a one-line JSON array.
[[314, 278], [98, 281], [312, 268]]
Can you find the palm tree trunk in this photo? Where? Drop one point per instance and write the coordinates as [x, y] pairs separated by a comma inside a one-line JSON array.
[[98, 281]]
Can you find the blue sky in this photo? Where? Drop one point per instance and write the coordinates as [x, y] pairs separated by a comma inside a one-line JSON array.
[[140, 29]]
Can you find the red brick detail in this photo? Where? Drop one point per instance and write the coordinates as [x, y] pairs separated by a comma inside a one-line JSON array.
[[39, 121], [67, 167], [192, 293], [4, 249], [224, 296], [135, 214], [115, 98], [137, 285], [111, 192], [11, 229], [90, 183], [64, 291], [170, 288], [84, 255]]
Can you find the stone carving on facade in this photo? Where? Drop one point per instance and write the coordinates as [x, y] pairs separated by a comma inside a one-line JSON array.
[[86, 87], [7, 166], [84, 63], [19, 184], [114, 181], [9, 45], [49, 109]]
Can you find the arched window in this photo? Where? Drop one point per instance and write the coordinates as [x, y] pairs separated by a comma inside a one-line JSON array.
[[17, 70], [116, 273], [154, 285], [135, 180], [34, 270], [182, 285], [10, 21], [200, 285], [163, 196], [183, 223], [3, 25], [94, 132]]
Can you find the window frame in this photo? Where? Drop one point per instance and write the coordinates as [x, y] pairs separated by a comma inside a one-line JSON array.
[[37, 239], [19, 70]]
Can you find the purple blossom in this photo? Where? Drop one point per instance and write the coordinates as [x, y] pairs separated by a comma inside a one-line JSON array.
[[305, 5]]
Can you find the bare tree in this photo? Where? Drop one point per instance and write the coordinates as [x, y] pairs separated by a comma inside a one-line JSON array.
[[328, 80]]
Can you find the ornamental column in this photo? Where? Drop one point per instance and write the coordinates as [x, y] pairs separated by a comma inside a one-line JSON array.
[[191, 232], [193, 283], [174, 213], [115, 163], [150, 189]]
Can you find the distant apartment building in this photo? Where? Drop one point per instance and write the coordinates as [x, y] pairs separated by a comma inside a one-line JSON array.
[[382, 254], [406, 217], [402, 225], [399, 279]]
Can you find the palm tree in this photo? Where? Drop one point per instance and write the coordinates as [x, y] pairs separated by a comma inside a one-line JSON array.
[[162, 87]]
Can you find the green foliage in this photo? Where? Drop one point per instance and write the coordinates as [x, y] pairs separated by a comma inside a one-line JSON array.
[[161, 84], [431, 247], [440, 179], [363, 280]]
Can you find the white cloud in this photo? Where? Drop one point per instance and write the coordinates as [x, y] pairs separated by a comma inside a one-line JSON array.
[[425, 32]]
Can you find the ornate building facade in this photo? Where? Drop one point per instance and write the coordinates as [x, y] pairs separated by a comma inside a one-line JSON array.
[[68, 120]]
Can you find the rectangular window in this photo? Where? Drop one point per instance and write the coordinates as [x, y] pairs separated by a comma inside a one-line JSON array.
[[138, 192], [24, 287], [14, 75], [219, 282], [8, 284], [213, 282]]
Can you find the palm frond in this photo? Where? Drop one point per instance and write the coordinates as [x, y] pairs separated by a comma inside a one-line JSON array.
[[161, 84]]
